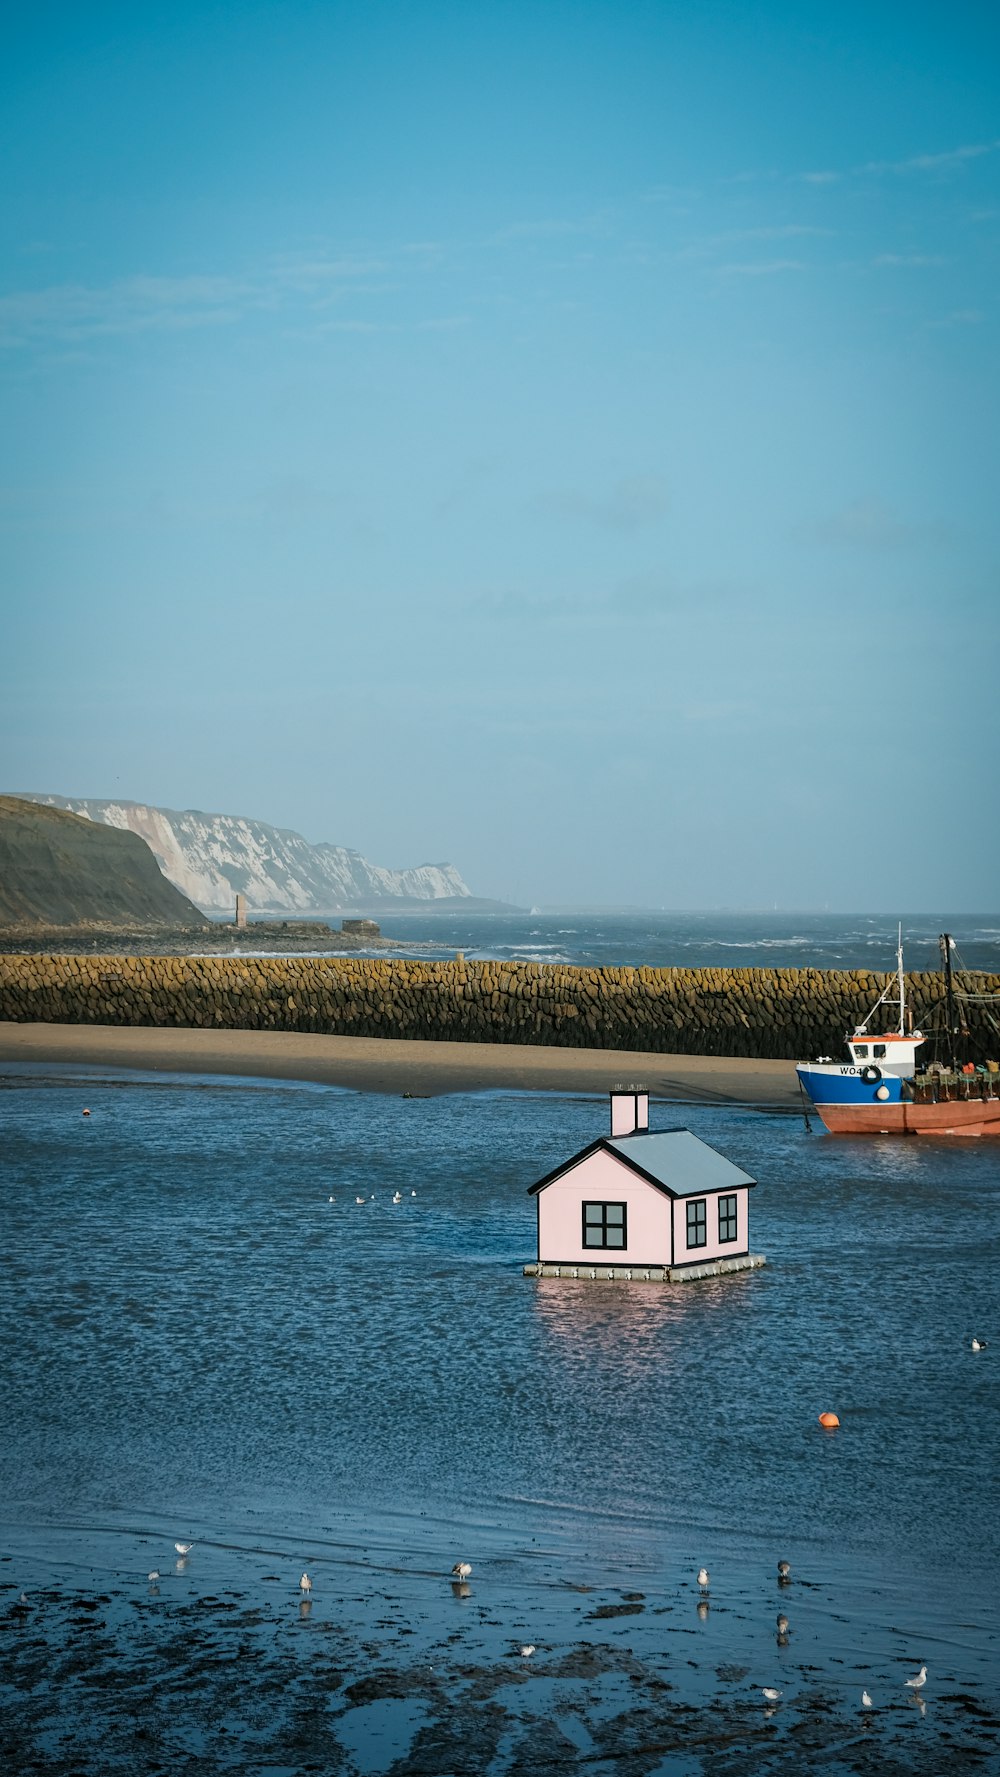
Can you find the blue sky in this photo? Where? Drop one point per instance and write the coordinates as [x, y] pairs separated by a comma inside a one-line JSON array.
[[559, 439]]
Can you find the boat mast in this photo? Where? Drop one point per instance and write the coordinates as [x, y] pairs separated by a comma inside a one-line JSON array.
[[902, 983], [949, 996]]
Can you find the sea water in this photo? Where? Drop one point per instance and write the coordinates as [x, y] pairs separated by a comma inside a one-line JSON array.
[[662, 940], [206, 1336]]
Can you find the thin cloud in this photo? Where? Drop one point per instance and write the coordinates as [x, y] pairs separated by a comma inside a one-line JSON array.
[[549, 228], [774, 231], [869, 523], [909, 259], [947, 161], [657, 595], [145, 302], [434, 324], [960, 318], [779, 231], [627, 505], [761, 268]]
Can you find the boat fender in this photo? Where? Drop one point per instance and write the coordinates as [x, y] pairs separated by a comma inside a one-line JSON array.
[[882, 1093], [871, 1075]]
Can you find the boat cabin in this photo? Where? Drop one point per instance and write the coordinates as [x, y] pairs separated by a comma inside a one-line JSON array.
[[658, 1205], [891, 1053]]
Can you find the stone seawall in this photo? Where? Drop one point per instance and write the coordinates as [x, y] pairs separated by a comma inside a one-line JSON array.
[[777, 1014]]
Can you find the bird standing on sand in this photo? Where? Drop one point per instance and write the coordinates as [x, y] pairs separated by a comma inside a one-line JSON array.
[[306, 1585], [153, 1576], [184, 1548], [703, 1578], [979, 1344], [771, 1695], [462, 1569], [866, 1702], [527, 1650], [917, 1684]]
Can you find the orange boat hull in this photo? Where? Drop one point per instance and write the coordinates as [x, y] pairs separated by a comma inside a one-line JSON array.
[[956, 1116]]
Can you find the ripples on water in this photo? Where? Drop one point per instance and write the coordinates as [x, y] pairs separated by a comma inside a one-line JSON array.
[[197, 1343], [188, 1322]]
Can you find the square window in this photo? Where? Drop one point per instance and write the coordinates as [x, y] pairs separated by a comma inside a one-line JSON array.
[[727, 1218], [697, 1223], [878, 1051], [605, 1225]]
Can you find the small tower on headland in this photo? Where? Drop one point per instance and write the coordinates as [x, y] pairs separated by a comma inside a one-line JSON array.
[[241, 913]]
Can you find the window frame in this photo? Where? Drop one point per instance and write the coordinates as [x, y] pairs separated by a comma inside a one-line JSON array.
[[700, 1222], [732, 1217], [603, 1245]]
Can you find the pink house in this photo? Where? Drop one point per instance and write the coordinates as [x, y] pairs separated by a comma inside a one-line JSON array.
[[659, 1206]]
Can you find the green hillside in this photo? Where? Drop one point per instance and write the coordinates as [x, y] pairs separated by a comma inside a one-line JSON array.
[[57, 869]]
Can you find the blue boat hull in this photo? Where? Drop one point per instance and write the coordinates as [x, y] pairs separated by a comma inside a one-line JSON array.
[[843, 1085]]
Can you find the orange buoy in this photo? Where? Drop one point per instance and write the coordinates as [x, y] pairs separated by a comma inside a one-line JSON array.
[[86, 1113], [829, 1420]]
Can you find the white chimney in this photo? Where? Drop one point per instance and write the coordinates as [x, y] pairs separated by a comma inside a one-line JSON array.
[[629, 1109]]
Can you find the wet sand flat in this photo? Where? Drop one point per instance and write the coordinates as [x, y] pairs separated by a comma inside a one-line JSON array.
[[377, 1064]]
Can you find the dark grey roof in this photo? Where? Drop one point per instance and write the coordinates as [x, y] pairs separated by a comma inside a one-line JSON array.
[[673, 1160], [678, 1161]]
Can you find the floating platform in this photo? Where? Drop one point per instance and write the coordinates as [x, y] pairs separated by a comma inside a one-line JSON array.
[[648, 1273]]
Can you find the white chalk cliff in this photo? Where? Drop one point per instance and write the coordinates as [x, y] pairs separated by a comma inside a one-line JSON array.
[[212, 857]]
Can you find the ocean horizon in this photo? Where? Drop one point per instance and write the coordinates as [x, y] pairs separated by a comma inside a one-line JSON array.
[[690, 940]]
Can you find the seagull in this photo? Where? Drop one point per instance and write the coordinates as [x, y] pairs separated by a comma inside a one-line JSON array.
[[782, 1623], [359, 1200], [866, 1702], [184, 1548], [703, 1578], [979, 1344], [306, 1584], [462, 1569], [784, 1570], [397, 1197], [527, 1650], [23, 1598], [331, 1199], [154, 1576], [413, 1193], [770, 1694], [917, 1684]]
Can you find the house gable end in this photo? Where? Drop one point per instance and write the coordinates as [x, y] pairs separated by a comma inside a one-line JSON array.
[[585, 1154]]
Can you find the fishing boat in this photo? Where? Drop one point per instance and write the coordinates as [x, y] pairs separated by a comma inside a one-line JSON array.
[[881, 1089]]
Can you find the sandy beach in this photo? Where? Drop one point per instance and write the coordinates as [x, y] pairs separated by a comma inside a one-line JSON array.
[[372, 1064]]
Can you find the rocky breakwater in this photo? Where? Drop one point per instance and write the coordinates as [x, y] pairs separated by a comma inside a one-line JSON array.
[[763, 1013]]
